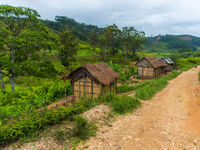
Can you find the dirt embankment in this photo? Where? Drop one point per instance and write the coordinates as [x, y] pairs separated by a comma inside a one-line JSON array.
[[170, 120]]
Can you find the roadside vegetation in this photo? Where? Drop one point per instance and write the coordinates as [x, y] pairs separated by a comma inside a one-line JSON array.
[[199, 76]]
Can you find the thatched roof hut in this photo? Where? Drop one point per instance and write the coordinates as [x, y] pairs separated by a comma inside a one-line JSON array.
[[92, 80], [150, 67], [170, 64]]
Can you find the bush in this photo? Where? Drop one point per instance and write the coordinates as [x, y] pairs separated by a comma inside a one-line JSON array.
[[125, 104], [59, 134], [82, 127], [28, 124], [18, 103], [121, 104], [187, 63]]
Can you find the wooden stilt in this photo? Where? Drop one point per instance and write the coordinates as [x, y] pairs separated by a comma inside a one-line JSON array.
[[65, 90]]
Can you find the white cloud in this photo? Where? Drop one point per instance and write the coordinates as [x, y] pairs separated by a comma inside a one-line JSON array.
[[152, 16]]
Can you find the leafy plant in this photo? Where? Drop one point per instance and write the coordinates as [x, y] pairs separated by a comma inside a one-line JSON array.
[[59, 134], [81, 128]]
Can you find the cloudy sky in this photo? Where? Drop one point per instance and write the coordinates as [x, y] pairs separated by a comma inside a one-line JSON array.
[[152, 16]]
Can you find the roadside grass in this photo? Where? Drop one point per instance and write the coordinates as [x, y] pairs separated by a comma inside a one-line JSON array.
[[124, 88], [199, 76], [148, 89]]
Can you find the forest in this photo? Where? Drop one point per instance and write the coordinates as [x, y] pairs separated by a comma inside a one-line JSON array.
[[35, 53]]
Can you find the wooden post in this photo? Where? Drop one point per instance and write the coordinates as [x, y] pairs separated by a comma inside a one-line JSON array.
[[79, 89], [92, 89], [65, 90], [84, 79]]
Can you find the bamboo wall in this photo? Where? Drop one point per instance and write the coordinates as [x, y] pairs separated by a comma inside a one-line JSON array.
[[85, 87], [169, 68], [158, 71], [146, 71]]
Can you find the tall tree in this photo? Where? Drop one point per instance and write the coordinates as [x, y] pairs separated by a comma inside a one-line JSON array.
[[111, 34], [131, 39], [102, 45], [94, 38], [137, 40], [1, 73], [24, 35], [16, 20], [69, 49]]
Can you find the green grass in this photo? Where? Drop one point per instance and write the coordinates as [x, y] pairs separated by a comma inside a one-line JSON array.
[[124, 88], [148, 89], [199, 76], [86, 50]]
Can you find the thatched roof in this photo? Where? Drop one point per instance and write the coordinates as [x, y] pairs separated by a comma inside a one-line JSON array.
[[155, 63], [101, 72]]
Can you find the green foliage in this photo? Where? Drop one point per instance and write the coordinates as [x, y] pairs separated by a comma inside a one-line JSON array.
[[27, 124], [82, 128], [124, 104], [80, 30], [186, 63], [172, 43], [15, 104], [94, 38], [59, 134], [199, 76], [114, 66], [148, 89], [121, 104], [124, 71], [69, 49], [124, 88], [24, 37]]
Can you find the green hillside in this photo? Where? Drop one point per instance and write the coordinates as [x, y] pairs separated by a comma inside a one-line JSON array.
[[172, 43]]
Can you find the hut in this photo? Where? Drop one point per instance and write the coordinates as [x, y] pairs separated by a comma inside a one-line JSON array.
[[150, 67], [169, 63], [92, 80]]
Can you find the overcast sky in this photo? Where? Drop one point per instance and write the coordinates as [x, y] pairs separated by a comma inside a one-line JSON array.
[[152, 16]]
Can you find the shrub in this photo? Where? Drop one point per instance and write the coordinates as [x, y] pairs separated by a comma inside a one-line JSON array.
[[81, 128], [124, 104], [28, 124], [18, 103], [121, 104], [59, 134]]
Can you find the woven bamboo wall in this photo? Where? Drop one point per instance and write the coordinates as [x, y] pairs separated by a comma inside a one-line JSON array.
[[146, 72], [158, 71], [85, 87]]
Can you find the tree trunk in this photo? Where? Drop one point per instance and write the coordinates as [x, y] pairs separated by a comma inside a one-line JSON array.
[[2, 83], [133, 51], [122, 51], [12, 79], [126, 54], [94, 48], [113, 51]]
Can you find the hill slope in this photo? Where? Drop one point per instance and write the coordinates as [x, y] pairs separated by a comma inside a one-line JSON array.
[[173, 43]]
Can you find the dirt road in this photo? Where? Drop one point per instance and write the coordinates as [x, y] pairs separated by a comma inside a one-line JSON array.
[[170, 120]]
